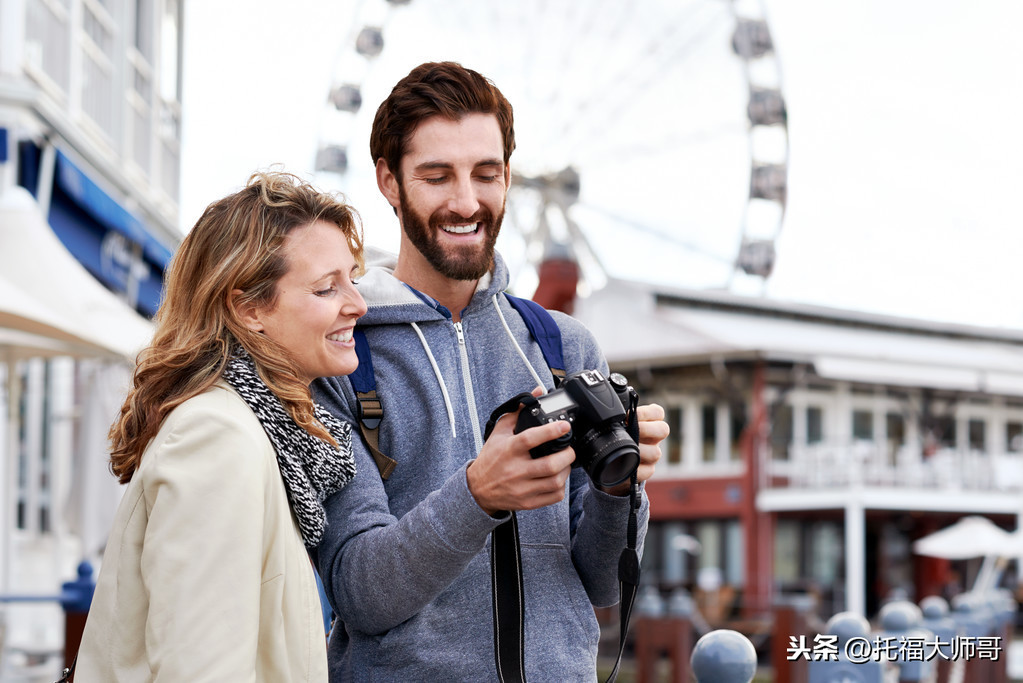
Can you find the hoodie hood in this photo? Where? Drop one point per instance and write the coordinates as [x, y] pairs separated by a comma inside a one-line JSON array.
[[390, 301]]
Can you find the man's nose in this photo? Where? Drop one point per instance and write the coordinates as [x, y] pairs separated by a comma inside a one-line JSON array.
[[463, 200]]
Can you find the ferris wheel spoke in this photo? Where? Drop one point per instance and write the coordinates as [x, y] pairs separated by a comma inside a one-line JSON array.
[[622, 152], [662, 235], [642, 42], [620, 94]]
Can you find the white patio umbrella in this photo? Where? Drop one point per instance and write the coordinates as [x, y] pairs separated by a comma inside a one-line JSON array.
[[971, 537]]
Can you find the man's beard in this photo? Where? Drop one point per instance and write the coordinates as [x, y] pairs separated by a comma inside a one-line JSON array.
[[465, 262]]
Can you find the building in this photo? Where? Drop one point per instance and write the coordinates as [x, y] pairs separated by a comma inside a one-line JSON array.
[[811, 446], [90, 113]]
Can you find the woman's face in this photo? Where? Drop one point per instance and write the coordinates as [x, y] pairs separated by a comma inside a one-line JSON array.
[[317, 303]]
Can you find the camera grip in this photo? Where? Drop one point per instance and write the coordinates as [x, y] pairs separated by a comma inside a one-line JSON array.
[[526, 420]]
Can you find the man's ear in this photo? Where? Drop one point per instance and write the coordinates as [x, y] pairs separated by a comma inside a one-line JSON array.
[[387, 183], [246, 311]]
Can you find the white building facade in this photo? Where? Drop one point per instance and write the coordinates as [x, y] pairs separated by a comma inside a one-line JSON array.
[[811, 447], [90, 133]]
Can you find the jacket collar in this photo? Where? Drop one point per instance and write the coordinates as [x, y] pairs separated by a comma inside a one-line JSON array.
[[389, 300]]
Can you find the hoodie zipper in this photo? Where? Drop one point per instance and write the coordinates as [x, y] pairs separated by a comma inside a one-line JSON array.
[[467, 380]]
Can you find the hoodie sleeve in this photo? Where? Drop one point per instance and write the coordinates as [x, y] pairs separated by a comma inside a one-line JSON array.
[[378, 570], [598, 520]]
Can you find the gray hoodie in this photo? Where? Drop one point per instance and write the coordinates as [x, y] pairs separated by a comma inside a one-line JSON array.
[[405, 562]]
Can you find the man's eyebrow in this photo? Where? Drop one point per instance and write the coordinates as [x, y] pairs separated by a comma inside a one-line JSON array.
[[433, 166], [445, 165]]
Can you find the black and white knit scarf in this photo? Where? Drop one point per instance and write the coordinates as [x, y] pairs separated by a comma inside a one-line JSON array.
[[312, 469]]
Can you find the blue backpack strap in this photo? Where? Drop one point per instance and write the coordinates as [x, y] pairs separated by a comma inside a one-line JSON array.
[[545, 331], [370, 409]]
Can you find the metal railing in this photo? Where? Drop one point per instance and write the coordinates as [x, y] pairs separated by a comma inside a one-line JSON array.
[[865, 463]]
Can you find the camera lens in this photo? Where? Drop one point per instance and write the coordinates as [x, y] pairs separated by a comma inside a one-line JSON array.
[[615, 456]]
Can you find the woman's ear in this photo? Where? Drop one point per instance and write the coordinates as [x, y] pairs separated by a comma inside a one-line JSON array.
[[246, 311]]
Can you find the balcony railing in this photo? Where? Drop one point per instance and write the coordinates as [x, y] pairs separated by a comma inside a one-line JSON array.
[[868, 464]]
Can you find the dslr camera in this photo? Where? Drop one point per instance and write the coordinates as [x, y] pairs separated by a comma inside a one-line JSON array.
[[602, 414]]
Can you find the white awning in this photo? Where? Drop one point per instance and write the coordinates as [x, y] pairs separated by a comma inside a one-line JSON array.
[[49, 303], [910, 374], [898, 373]]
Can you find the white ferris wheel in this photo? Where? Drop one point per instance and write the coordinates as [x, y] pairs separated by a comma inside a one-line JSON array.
[[651, 135]]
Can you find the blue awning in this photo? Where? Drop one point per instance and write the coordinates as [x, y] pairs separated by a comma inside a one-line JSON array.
[[102, 234], [107, 211]]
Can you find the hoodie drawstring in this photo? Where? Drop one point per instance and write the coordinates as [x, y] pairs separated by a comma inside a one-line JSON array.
[[536, 377], [440, 379]]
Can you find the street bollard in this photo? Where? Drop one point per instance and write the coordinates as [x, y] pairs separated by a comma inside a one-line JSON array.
[[904, 640], [724, 656], [1003, 605], [839, 668], [650, 603], [974, 620], [664, 630], [936, 619], [76, 597], [790, 620]]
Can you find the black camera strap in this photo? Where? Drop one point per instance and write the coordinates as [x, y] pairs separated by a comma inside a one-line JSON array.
[[509, 603], [509, 600], [628, 574]]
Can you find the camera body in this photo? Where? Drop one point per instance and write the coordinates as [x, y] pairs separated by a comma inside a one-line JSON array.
[[599, 411]]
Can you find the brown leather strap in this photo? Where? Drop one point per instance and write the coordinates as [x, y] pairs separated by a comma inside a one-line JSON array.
[[370, 413]]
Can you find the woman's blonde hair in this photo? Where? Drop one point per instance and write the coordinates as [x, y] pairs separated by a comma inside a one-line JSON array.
[[236, 245]]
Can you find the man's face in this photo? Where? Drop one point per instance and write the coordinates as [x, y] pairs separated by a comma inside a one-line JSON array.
[[452, 194]]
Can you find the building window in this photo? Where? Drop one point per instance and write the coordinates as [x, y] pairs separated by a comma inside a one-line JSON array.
[[144, 29], [676, 552], [863, 425], [35, 448], [673, 444], [814, 425], [738, 424], [48, 42], [896, 434], [169, 111], [98, 60], [944, 431], [141, 92], [709, 424], [679, 553], [826, 552], [786, 551], [781, 431], [170, 51], [1014, 436], [977, 430], [735, 554]]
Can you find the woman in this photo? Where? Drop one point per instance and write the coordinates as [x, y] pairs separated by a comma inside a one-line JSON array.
[[206, 576]]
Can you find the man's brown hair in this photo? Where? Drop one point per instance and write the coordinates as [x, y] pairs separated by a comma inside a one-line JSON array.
[[435, 88]]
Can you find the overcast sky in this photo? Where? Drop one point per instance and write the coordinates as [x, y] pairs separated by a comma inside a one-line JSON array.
[[905, 151]]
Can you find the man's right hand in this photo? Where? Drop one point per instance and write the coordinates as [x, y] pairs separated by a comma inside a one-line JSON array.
[[505, 477]]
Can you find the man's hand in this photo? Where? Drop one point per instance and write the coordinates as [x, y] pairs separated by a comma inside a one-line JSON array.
[[652, 431], [504, 476]]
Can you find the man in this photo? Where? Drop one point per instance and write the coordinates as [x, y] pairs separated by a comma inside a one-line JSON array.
[[405, 560]]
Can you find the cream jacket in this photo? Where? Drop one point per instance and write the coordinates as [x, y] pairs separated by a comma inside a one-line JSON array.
[[205, 576]]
